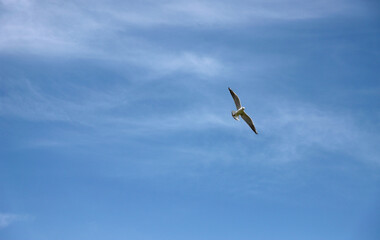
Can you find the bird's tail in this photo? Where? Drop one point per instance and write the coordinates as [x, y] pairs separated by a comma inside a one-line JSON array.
[[233, 115]]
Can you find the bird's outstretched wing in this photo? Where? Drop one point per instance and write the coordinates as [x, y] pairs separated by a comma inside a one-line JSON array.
[[248, 120], [236, 99]]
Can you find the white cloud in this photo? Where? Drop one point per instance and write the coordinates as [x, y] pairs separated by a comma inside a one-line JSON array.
[[8, 219], [297, 129], [292, 130], [226, 13], [103, 31], [77, 30], [187, 62], [23, 99]]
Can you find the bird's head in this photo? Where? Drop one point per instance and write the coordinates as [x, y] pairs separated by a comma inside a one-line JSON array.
[[243, 108]]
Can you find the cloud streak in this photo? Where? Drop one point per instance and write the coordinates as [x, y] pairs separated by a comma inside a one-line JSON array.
[[298, 129], [7, 219], [92, 108], [108, 31], [291, 130], [110, 34], [75, 30]]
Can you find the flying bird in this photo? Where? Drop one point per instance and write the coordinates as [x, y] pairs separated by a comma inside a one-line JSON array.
[[240, 111]]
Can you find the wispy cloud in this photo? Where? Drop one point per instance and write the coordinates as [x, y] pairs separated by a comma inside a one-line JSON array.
[[107, 31], [253, 12], [77, 30], [291, 130], [298, 129], [23, 99], [188, 62], [7, 219]]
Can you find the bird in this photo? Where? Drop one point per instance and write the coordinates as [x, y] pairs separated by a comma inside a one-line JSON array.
[[240, 111]]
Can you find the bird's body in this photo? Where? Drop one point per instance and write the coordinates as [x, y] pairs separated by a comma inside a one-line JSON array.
[[240, 112], [236, 114]]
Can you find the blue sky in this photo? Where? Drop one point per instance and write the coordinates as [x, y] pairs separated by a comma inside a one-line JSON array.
[[115, 120]]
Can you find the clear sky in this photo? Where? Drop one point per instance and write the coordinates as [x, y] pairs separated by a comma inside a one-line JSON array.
[[115, 120]]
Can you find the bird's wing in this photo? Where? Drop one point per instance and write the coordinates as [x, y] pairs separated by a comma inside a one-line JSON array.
[[248, 120], [236, 99]]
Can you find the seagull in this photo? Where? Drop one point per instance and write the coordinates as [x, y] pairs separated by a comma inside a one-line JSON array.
[[240, 111]]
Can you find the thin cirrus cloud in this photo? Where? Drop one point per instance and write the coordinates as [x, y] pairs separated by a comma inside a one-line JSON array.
[[91, 108], [6, 219], [82, 30], [68, 30], [253, 12], [293, 129], [298, 130], [106, 32]]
